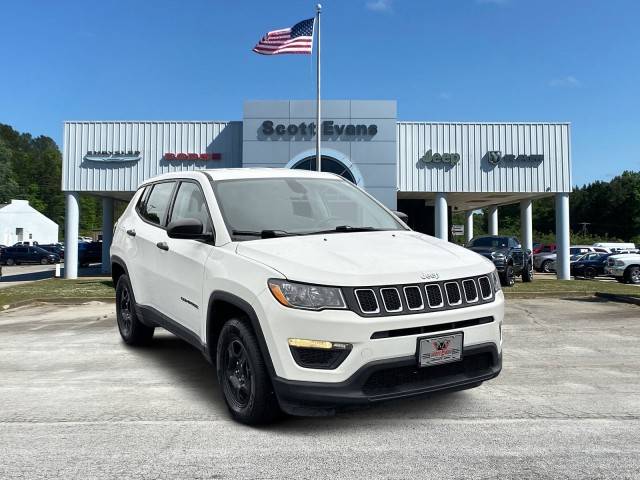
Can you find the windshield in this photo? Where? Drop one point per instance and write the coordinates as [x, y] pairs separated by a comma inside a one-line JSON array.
[[493, 242], [297, 206]]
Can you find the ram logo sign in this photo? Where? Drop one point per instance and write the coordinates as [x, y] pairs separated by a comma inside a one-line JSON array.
[[495, 157]]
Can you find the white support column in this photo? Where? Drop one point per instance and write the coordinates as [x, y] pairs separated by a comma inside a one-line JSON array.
[[562, 236], [72, 223], [526, 224], [441, 216], [107, 233], [468, 226], [493, 220]]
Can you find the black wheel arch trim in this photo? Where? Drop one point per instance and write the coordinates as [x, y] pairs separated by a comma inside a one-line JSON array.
[[115, 259], [244, 306]]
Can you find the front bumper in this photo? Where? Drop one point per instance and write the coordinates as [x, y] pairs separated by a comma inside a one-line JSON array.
[[347, 327], [389, 379]]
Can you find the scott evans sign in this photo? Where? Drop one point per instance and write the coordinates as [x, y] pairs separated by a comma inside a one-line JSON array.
[[113, 156], [495, 157], [329, 129], [191, 156], [440, 158]]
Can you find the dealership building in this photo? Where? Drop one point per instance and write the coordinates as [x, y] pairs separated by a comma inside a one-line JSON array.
[[425, 169]]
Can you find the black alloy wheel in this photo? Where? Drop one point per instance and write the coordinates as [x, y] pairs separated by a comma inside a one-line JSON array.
[[243, 375], [124, 309], [44, 261], [132, 330], [238, 375]]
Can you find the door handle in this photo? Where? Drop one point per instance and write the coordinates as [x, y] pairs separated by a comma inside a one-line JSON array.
[[131, 232], [162, 245]]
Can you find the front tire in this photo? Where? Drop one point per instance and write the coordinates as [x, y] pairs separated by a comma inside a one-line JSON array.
[[507, 278], [243, 376], [589, 273], [545, 266], [10, 262], [632, 275], [132, 330], [44, 261]]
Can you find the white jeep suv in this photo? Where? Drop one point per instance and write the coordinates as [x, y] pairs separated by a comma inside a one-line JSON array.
[[305, 292]]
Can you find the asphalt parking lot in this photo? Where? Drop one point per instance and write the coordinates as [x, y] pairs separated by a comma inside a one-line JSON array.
[[75, 402]]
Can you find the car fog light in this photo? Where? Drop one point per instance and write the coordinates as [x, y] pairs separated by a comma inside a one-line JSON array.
[[323, 344]]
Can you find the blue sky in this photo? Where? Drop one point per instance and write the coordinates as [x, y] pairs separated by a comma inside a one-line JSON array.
[[464, 60]]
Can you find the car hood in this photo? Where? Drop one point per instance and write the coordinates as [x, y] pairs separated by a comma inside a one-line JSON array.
[[365, 258]]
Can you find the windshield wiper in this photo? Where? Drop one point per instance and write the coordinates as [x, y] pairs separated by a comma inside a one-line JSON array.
[[262, 233], [345, 228]]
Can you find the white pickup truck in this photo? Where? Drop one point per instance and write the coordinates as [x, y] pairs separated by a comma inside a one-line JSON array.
[[625, 268]]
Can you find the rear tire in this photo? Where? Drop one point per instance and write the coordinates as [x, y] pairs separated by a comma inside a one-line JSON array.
[[632, 275], [545, 266], [44, 261], [10, 262], [243, 376], [527, 273], [589, 273], [132, 330]]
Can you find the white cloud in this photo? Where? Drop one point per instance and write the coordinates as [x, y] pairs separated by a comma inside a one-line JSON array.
[[379, 5], [565, 82]]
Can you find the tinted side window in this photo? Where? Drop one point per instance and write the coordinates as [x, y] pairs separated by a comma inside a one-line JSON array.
[[155, 208], [190, 203]]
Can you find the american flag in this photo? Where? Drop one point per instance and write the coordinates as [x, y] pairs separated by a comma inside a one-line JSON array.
[[297, 39]]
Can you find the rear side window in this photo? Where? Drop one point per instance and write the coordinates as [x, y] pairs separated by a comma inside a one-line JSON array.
[[190, 203], [154, 209]]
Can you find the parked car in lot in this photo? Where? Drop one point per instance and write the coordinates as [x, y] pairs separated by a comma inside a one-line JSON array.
[[507, 255], [589, 265], [613, 247], [27, 254], [624, 267], [544, 248], [54, 248], [305, 292], [544, 262], [89, 252]]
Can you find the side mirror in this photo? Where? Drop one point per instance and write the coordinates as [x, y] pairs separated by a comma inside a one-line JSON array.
[[187, 229], [401, 215]]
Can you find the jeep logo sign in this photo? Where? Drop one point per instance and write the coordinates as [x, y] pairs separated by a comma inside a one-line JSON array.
[[494, 157], [440, 158], [329, 129]]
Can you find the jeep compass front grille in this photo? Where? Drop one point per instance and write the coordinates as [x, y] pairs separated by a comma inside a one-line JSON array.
[[367, 301], [419, 298]]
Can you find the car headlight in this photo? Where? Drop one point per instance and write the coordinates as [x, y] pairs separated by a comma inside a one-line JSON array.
[[619, 263], [308, 297], [496, 281], [497, 255]]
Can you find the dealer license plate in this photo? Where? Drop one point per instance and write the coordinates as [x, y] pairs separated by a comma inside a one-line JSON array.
[[441, 349]]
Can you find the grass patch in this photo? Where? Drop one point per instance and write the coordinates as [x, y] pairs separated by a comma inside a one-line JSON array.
[[53, 289], [559, 288]]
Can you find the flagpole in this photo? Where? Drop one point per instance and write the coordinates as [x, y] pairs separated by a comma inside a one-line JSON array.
[[318, 124]]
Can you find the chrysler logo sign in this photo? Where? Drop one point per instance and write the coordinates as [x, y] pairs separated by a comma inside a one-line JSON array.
[[113, 156], [494, 157]]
